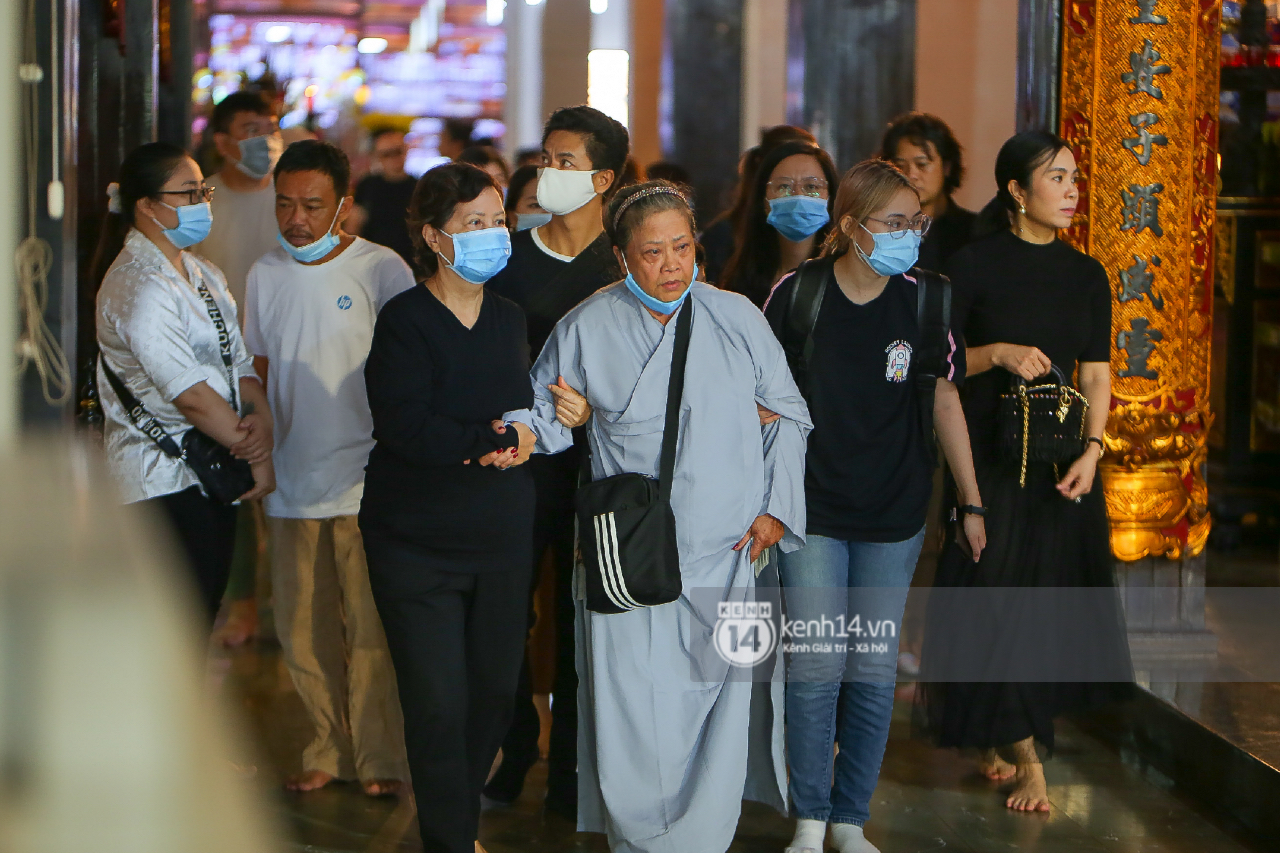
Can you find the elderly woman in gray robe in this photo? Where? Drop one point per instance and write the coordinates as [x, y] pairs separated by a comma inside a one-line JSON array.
[[666, 735]]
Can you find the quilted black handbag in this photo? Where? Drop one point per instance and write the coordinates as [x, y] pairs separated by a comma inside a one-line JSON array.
[[1042, 423], [626, 529]]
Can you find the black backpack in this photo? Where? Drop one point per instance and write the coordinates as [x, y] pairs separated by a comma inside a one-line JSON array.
[[794, 329]]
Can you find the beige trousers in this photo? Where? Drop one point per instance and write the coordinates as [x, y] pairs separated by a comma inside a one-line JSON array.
[[335, 649]]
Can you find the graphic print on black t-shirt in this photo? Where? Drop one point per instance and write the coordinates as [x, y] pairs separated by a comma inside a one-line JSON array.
[[868, 472]]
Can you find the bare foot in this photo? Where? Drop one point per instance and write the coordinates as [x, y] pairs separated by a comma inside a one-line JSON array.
[[383, 787], [1029, 794], [311, 780], [994, 767], [241, 625]]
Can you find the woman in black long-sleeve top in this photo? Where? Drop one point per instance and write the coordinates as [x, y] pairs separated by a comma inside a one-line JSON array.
[[447, 516]]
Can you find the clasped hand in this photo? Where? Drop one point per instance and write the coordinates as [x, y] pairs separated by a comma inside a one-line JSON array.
[[509, 457], [255, 447]]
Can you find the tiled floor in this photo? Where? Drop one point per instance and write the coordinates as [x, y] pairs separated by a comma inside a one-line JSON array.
[[927, 799]]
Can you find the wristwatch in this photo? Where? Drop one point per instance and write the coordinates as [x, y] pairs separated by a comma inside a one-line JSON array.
[[968, 509]]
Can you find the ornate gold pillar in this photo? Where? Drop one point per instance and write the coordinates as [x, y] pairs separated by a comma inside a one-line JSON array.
[[1139, 105]]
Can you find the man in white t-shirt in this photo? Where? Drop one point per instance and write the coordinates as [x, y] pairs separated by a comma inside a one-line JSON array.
[[247, 138], [310, 306]]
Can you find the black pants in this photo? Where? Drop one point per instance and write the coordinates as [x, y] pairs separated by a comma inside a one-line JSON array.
[[207, 532], [555, 478], [455, 641]]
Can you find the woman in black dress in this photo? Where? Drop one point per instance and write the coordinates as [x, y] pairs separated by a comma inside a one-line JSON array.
[[447, 518], [1024, 301]]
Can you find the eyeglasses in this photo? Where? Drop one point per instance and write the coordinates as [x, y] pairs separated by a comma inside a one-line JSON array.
[[783, 187], [194, 196], [899, 225]]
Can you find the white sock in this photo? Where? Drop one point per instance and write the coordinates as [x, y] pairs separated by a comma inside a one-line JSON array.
[[849, 839], [809, 836]]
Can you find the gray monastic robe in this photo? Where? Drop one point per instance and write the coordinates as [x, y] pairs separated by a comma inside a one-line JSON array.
[[662, 757]]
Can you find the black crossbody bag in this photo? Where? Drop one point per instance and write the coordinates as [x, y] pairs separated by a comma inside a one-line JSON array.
[[626, 529], [224, 477]]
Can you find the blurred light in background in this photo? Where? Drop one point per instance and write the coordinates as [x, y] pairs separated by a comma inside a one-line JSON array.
[[277, 33], [599, 7], [608, 81], [494, 11], [372, 45]]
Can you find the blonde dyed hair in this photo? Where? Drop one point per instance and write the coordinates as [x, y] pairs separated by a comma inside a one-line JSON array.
[[864, 189]]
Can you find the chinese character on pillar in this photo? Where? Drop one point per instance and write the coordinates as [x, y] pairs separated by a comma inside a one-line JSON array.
[[1137, 280], [1144, 143], [1139, 106]]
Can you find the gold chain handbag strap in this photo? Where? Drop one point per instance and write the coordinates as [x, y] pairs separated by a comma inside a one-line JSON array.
[[1026, 432]]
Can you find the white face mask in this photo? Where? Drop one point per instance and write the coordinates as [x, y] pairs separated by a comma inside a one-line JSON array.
[[561, 191]]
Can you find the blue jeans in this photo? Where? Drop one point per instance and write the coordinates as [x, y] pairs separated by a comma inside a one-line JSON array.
[[877, 576]]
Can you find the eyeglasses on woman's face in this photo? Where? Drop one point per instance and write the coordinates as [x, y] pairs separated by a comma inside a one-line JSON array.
[[898, 226], [783, 187], [194, 195]]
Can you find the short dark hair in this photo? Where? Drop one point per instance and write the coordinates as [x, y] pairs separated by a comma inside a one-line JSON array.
[[923, 131], [460, 129], [437, 193], [313, 155], [483, 155], [243, 101], [665, 170], [375, 135], [605, 139]]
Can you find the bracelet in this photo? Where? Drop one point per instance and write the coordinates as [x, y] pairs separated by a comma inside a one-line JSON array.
[[1093, 439], [973, 510]]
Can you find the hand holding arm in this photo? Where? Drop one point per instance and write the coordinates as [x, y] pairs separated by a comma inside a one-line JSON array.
[[572, 409], [208, 412]]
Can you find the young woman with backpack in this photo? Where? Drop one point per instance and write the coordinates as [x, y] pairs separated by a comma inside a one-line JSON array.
[[868, 339]]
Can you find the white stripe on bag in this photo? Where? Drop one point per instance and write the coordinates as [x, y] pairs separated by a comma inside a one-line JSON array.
[[617, 564], [602, 556]]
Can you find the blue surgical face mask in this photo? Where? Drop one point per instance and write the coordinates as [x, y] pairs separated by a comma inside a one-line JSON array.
[[259, 155], [479, 255], [194, 222], [891, 255], [525, 221], [317, 249], [798, 217], [657, 304]]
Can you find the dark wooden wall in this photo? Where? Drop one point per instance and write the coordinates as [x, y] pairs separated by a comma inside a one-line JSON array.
[[1039, 60], [705, 56], [116, 86], [859, 72]]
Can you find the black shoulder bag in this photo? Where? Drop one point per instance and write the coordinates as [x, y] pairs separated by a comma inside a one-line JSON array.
[[933, 314], [626, 529], [1041, 423], [224, 477]]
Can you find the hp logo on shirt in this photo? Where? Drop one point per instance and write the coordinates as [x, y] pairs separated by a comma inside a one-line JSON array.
[[344, 302]]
